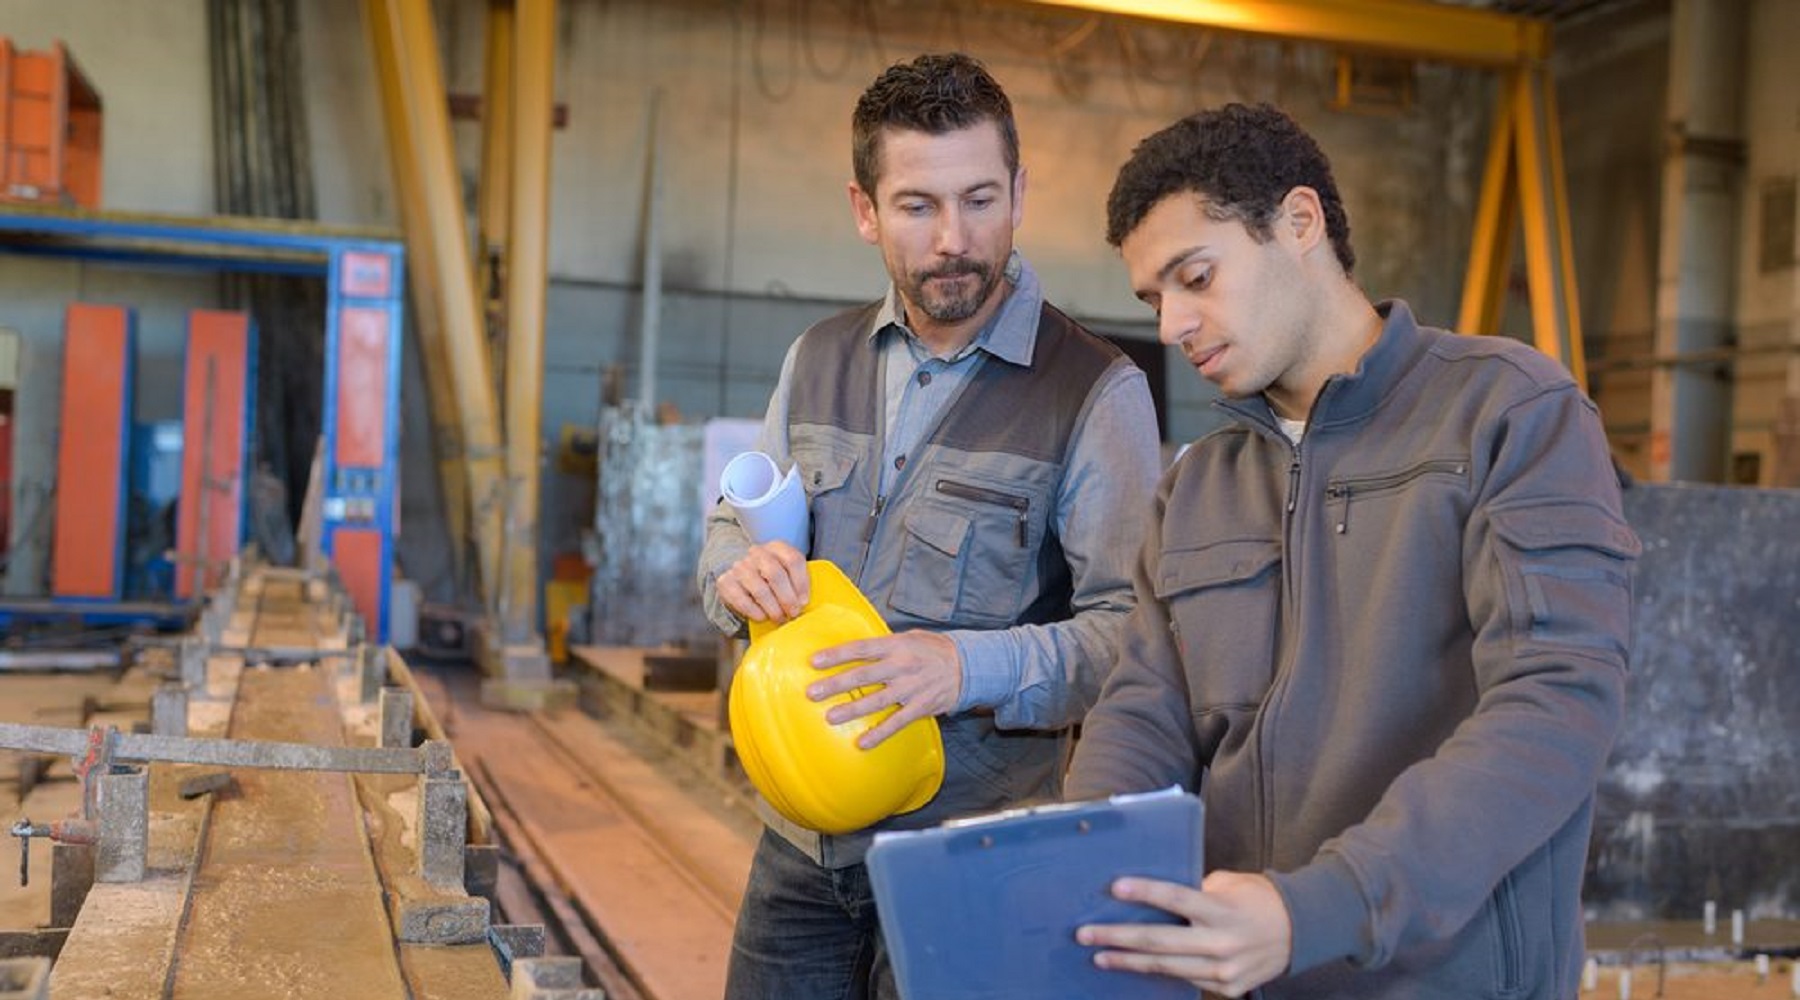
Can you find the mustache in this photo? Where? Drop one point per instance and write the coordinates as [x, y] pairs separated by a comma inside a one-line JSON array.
[[956, 268]]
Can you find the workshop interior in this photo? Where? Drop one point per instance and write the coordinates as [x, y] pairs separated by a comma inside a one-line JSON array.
[[368, 368]]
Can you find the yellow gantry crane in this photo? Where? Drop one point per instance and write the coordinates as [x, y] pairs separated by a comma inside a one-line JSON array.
[[489, 469], [1524, 176]]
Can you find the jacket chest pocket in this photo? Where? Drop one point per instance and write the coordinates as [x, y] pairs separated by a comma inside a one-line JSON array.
[[1224, 603], [967, 554], [837, 515]]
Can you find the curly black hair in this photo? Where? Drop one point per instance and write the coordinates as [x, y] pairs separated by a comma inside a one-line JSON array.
[[934, 94], [1241, 160]]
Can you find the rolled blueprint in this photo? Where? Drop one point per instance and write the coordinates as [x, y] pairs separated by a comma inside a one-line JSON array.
[[770, 506]]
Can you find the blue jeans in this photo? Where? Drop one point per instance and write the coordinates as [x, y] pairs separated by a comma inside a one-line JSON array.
[[805, 932]]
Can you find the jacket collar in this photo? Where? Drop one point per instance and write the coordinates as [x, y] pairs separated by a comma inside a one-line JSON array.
[[1347, 398]]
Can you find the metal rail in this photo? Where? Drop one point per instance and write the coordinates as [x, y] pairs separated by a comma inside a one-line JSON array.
[[433, 757]]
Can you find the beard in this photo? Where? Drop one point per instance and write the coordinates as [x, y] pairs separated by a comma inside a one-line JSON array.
[[953, 304]]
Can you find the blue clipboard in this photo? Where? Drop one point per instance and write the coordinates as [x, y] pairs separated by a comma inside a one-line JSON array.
[[986, 908]]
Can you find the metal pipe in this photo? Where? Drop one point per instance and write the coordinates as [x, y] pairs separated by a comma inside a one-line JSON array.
[[534, 55], [432, 757], [59, 659], [650, 302], [428, 126], [422, 280]]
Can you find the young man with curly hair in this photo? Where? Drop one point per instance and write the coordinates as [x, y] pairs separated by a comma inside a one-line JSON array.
[[980, 465], [1382, 616]]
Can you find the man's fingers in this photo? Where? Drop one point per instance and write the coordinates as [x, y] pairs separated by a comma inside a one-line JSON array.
[[770, 583], [1182, 900]]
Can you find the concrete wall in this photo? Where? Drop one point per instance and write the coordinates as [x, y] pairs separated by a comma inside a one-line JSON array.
[[758, 236]]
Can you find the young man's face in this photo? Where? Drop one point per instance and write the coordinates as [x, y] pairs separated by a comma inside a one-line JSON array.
[[943, 213], [1235, 307]]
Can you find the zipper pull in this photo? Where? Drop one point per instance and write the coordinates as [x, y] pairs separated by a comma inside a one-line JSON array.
[[874, 515], [1293, 483], [1024, 528], [1341, 493]]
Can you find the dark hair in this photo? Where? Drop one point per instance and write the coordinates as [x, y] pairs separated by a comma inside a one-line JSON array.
[[933, 94], [1241, 161]]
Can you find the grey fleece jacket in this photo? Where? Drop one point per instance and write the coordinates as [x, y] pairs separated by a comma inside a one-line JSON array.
[[1396, 655]]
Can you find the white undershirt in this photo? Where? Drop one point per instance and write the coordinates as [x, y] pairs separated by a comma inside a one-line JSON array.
[[1294, 429]]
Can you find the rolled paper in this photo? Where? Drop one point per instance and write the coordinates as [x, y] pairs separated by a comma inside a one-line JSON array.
[[770, 506]]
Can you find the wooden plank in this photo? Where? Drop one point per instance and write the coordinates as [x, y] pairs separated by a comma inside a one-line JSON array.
[[286, 900], [666, 930]]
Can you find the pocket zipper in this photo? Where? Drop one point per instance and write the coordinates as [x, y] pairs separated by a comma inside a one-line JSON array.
[[981, 494], [1345, 489]]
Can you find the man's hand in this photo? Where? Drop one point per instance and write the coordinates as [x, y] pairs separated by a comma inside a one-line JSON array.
[[919, 671], [1238, 934], [770, 583]]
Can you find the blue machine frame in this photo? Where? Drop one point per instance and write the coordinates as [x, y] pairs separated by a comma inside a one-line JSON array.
[[357, 498]]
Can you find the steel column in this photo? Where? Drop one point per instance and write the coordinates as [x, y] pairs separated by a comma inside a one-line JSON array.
[[1405, 27], [534, 56], [494, 198], [1556, 329], [1691, 405], [1490, 253], [446, 434], [428, 129]]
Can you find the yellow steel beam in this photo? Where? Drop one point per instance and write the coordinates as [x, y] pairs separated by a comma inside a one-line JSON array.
[[1555, 328], [494, 199], [1400, 27], [534, 58], [1565, 240], [422, 282], [427, 116], [1491, 246]]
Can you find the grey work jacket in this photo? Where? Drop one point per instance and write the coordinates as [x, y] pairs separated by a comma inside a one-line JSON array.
[[1397, 653]]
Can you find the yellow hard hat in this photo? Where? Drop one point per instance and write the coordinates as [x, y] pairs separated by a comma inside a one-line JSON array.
[[811, 771]]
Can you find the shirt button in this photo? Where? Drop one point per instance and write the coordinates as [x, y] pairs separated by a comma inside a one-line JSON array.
[[924, 378], [900, 462]]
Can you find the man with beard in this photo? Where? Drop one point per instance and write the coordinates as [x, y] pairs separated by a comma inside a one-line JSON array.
[[980, 465]]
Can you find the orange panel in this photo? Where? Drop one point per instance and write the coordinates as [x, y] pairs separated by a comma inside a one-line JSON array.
[[362, 386], [50, 128], [212, 467], [356, 552], [90, 460]]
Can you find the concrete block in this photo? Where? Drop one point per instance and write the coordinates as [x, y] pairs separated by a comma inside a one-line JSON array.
[[371, 667], [24, 979], [443, 825], [527, 696], [169, 709], [71, 876], [396, 717], [193, 653], [512, 942], [481, 869], [440, 919], [557, 978], [124, 825]]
